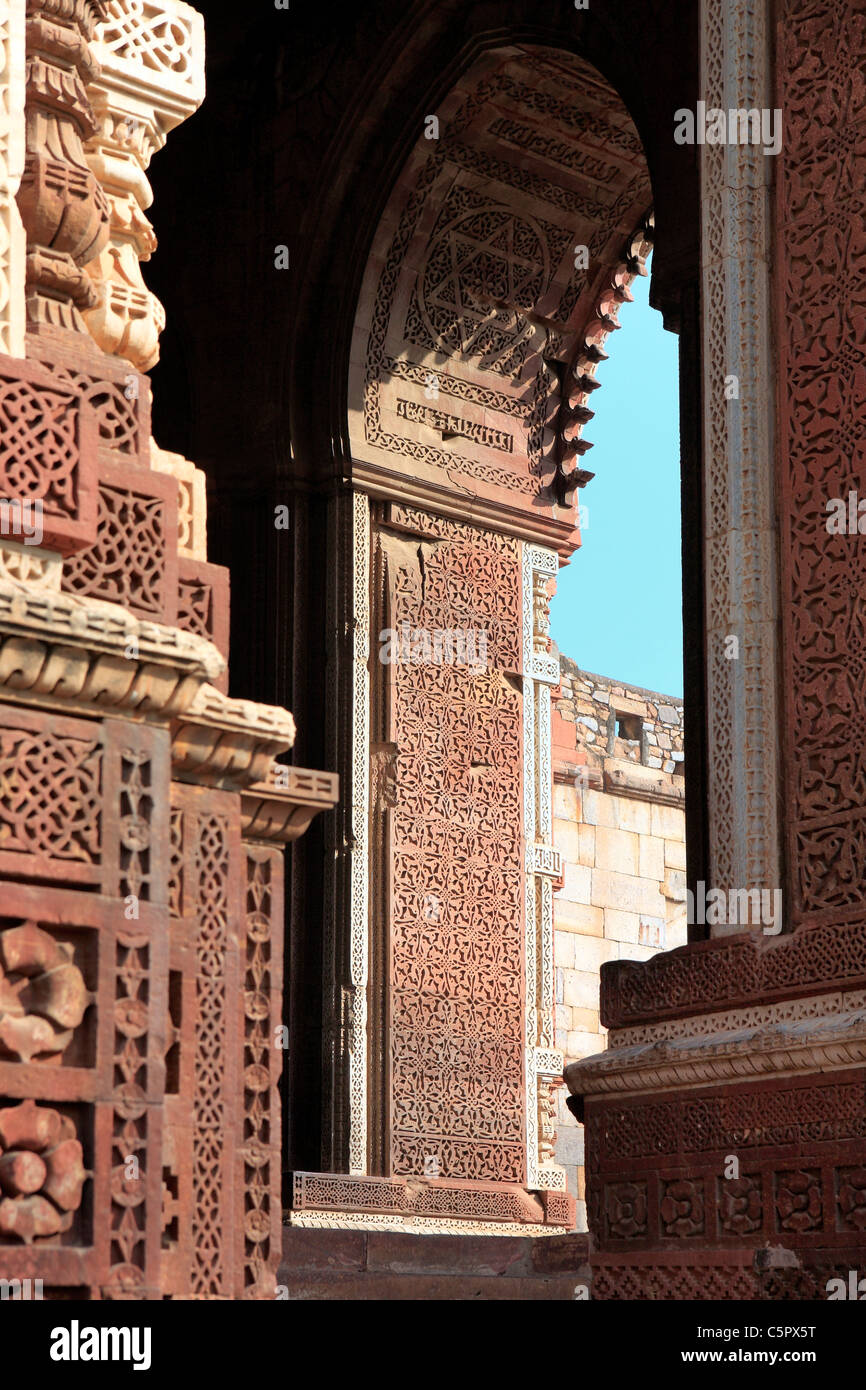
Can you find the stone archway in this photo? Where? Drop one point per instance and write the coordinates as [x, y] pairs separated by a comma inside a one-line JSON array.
[[493, 284]]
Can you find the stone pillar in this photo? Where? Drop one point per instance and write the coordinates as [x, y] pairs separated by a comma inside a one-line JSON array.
[[141, 930], [725, 1123], [741, 537], [64, 210]]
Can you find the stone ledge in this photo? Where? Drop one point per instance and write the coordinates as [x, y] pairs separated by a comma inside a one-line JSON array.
[[57, 648], [333, 1197], [228, 744], [779, 1049], [281, 807], [734, 971]]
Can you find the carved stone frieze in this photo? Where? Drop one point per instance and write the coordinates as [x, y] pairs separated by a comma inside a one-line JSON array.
[[316, 1194]]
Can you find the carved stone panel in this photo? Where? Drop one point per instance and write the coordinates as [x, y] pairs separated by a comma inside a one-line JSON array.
[[457, 1098]]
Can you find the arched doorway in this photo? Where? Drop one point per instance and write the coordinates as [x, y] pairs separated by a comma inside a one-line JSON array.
[[528, 216]]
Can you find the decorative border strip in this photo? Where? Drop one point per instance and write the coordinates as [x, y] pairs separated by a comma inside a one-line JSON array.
[[360, 873], [540, 672], [418, 1225], [732, 1020], [740, 525]]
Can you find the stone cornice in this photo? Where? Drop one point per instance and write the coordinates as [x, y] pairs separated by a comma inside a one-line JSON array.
[[779, 1049], [642, 783], [281, 807], [225, 743], [88, 656]]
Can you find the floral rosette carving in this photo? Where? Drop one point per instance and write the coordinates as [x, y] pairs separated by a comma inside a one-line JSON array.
[[41, 1172], [626, 1204], [43, 996]]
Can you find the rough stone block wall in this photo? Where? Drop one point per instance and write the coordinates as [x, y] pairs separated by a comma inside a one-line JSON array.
[[619, 824]]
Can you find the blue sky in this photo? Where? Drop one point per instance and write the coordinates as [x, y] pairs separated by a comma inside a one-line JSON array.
[[618, 609]]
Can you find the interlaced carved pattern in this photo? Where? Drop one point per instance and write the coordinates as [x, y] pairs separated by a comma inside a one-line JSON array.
[[39, 449], [50, 795], [154, 36], [195, 607], [501, 258], [212, 874], [117, 416], [127, 563]]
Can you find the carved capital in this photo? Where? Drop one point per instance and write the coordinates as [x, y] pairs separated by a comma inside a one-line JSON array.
[[227, 743], [151, 78], [64, 211]]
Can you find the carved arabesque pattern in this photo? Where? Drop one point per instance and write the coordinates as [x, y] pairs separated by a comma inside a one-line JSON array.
[[456, 939], [744, 971], [39, 453], [822, 397]]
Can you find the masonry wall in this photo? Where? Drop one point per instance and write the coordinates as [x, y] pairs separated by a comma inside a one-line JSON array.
[[619, 824]]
